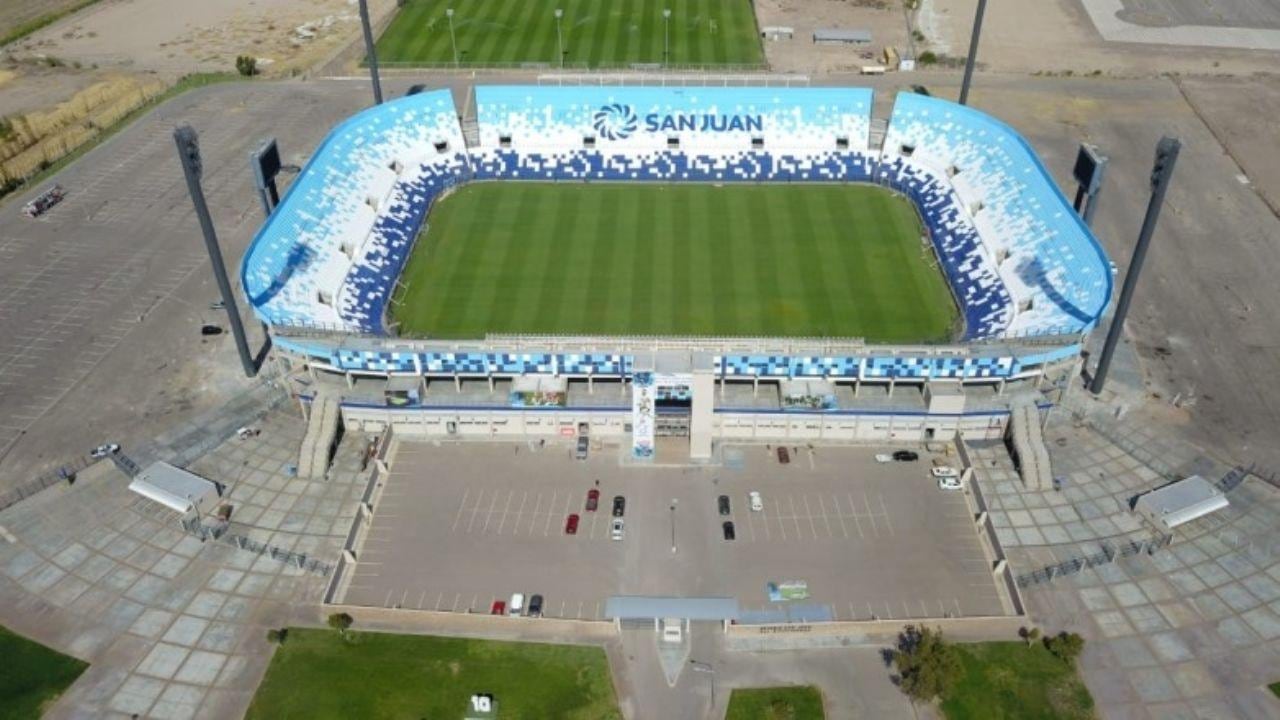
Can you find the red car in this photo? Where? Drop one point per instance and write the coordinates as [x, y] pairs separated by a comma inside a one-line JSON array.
[[571, 525], [593, 500], [499, 608]]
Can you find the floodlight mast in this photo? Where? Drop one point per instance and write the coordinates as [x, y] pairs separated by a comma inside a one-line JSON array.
[[1166, 157], [371, 52], [973, 52]]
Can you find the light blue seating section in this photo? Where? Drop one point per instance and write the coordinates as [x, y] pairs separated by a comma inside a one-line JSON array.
[[330, 253], [1049, 261]]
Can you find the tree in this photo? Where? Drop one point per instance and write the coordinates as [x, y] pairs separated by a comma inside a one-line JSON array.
[[277, 637], [247, 65], [1031, 634], [928, 57], [927, 666], [1066, 646], [341, 622]]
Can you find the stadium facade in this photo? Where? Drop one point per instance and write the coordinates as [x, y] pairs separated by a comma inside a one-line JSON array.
[[1028, 277]]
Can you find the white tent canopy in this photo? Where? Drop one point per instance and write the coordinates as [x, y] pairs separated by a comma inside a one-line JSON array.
[[1180, 502], [175, 488]]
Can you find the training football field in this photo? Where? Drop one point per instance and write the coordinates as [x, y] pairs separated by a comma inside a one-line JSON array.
[[594, 32], [684, 259]]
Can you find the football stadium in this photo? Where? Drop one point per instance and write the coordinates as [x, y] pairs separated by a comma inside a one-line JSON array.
[[705, 263]]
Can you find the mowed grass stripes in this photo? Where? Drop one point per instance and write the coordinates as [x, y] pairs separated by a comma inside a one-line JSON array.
[[595, 32], [684, 259]]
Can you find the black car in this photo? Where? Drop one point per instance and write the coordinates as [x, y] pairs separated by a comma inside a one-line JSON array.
[[535, 606], [619, 506], [724, 504], [729, 533], [906, 456]]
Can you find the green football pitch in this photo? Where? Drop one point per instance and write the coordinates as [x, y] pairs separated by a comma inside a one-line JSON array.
[[798, 260], [596, 33]]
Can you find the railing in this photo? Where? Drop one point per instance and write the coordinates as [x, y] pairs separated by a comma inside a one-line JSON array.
[[220, 532], [580, 67], [66, 473], [1106, 555]]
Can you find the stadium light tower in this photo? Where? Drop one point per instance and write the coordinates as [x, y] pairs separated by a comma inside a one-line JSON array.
[[1161, 172], [560, 37], [973, 52], [452, 38], [666, 36], [370, 52], [192, 167]]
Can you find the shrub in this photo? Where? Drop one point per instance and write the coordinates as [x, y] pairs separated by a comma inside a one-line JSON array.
[[341, 622], [928, 57], [247, 65], [1066, 646], [277, 637]]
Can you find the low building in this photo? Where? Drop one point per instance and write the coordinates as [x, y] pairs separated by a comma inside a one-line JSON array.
[[176, 488], [1180, 502], [837, 36]]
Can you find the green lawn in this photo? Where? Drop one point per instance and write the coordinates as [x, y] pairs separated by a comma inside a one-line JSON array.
[[595, 32], [1010, 680], [32, 676], [1274, 688], [316, 675], [683, 259], [779, 703]]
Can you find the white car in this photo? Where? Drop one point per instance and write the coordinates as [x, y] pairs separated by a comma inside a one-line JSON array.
[[516, 606], [757, 502], [104, 450], [884, 458], [617, 530], [949, 483], [945, 471]]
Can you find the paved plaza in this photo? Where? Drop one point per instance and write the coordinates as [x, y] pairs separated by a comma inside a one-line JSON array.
[[173, 627], [1190, 631]]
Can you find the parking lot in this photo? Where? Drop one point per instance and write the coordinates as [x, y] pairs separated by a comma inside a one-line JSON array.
[[461, 525]]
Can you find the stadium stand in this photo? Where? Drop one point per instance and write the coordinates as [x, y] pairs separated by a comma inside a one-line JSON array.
[[1003, 217], [1018, 259], [330, 254]]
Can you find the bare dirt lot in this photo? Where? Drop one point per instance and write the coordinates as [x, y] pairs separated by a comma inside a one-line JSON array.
[[462, 525], [14, 15]]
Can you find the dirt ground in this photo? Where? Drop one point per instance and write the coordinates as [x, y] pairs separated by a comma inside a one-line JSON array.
[[884, 18], [1054, 36], [18, 12]]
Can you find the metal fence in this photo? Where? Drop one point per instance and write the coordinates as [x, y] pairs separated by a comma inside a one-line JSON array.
[[1108, 554], [575, 67], [220, 531], [43, 482]]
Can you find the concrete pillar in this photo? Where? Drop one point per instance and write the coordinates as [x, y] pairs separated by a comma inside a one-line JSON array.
[[755, 382], [701, 416], [381, 465], [857, 385], [457, 382], [490, 382], [350, 556], [351, 382], [892, 379], [1000, 565], [591, 386], [1000, 389]]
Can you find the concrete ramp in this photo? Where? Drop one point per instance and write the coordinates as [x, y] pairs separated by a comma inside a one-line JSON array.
[[322, 428], [1028, 446]]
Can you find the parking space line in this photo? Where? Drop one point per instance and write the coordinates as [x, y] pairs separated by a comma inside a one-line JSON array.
[[781, 528], [884, 513], [813, 525], [592, 534], [488, 516], [959, 612], [456, 517], [854, 514], [456, 598], [579, 610], [387, 601], [825, 518], [567, 499], [421, 599], [888, 610], [475, 510], [403, 596], [871, 612], [537, 505], [870, 516], [839, 515], [439, 599], [547, 528], [505, 509], [751, 527], [562, 602]]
